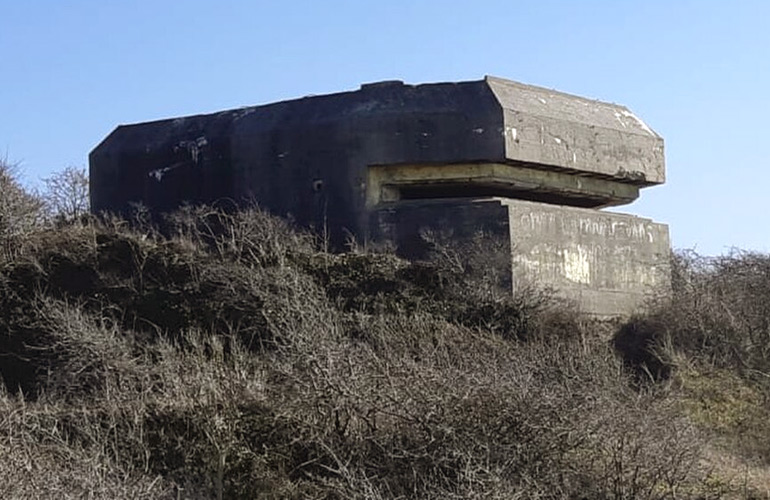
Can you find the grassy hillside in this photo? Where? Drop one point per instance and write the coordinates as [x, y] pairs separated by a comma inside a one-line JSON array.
[[231, 357]]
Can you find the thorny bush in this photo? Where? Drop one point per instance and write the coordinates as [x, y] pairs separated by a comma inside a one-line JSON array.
[[228, 356]]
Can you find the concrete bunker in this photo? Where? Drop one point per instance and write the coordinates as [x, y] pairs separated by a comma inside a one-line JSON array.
[[528, 165]]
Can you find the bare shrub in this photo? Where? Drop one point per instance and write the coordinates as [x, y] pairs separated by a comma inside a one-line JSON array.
[[40, 462], [482, 267], [66, 194], [122, 440], [62, 350], [233, 359], [248, 235], [21, 212], [422, 408], [719, 311], [640, 344], [483, 259], [648, 451], [713, 335]]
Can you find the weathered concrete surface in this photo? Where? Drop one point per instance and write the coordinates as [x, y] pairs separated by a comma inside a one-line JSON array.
[[456, 219], [310, 158], [607, 263], [306, 158], [547, 127], [390, 160], [390, 183]]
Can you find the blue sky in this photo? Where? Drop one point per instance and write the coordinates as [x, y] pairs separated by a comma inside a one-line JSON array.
[[697, 72]]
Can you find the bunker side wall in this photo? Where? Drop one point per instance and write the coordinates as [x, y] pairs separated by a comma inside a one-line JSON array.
[[609, 263], [419, 227], [306, 159]]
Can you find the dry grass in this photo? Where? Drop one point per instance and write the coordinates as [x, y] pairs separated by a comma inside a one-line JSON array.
[[21, 211], [711, 339], [229, 357]]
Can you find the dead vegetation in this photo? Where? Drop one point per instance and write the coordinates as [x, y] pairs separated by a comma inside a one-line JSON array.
[[229, 357], [21, 212], [712, 340]]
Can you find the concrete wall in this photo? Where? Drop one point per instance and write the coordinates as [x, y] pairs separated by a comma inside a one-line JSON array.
[[547, 127], [308, 158], [389, 183], [405, 223], [607, 263], [389, 161]]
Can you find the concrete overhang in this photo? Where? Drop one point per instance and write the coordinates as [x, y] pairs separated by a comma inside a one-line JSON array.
[[395, 183], [552, 129], [385, 142]]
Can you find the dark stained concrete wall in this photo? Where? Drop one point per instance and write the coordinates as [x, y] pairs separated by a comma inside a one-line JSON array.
[[352, 164], [457, 219], [308, 158], [305, 158]]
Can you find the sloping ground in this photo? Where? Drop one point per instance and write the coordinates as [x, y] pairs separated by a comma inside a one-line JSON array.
[[232, 358]]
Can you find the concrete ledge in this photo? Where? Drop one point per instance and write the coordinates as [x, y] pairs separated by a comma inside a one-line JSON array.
[[548, 127], [388, 183]]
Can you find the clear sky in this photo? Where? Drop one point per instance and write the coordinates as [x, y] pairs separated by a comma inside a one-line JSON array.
[[698, 72]]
